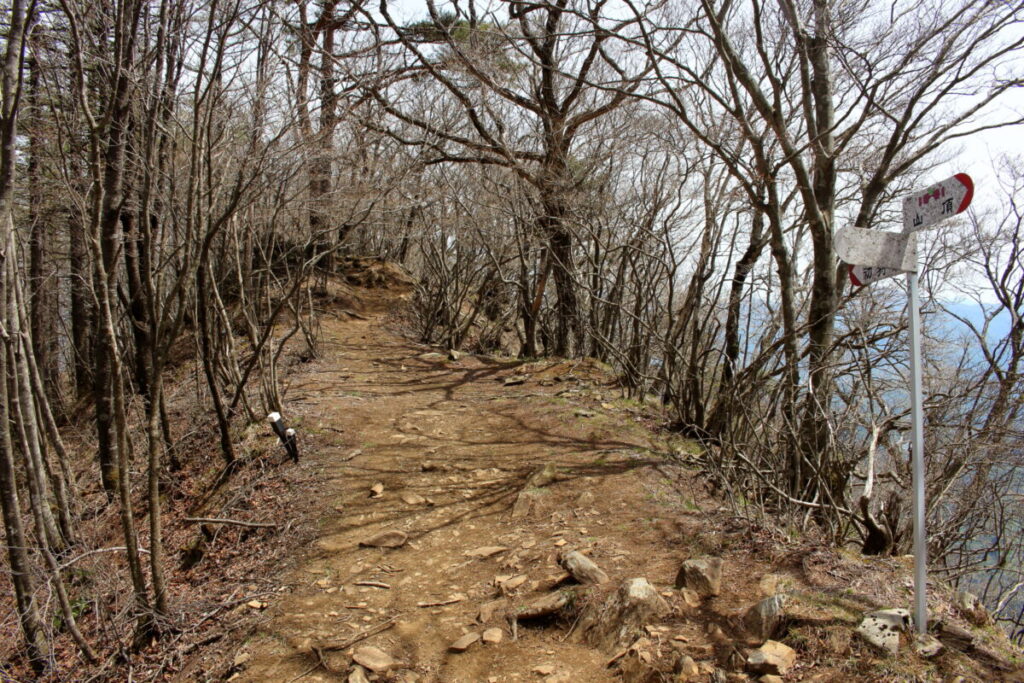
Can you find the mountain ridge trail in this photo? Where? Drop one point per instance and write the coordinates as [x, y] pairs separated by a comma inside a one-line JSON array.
[[446, 488], [452, 446]]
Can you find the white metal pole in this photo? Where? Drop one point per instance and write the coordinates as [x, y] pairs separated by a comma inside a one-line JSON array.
[[917, 456]]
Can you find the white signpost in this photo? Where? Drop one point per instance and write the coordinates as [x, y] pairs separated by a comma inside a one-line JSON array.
[[879, 255]]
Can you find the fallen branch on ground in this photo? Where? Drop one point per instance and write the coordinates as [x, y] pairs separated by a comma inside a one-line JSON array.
[[236, 522]]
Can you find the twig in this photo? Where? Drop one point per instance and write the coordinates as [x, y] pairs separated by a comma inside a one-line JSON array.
[[97, 552], [353, 314], [307, 671], [440, 603], [236, 522], [573, 627], [373, 584]]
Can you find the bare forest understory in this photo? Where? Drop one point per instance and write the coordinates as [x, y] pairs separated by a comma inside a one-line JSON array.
[[431, 528]]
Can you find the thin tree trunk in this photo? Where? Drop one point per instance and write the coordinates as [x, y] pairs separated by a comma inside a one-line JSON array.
[[17, 545]]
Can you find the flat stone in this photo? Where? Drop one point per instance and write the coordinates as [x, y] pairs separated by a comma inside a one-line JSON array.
[[377, 490], [410, 498], [513, 582], [493, 636], [544, 669], [882, 628], [386, 539], [703, 574], [373, 658], [358, 675], [769, 678], [463, 643], [772, 658]]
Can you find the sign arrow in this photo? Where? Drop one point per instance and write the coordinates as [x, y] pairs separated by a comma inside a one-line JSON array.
[[937, 203], [877, 254], [878, 249]]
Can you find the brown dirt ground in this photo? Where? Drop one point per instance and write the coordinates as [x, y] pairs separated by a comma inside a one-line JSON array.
[[377, 408]]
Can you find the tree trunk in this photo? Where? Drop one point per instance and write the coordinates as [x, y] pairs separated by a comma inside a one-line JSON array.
[[17, 545]]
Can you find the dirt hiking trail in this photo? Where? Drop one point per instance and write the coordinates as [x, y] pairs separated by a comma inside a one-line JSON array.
[[453, 447], [446, 491]]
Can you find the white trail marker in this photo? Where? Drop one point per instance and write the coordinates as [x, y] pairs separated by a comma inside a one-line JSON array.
[[874, 255]]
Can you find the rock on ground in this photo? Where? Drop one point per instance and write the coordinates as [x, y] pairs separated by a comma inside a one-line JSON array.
[[687, 668], [386, 539], [582, 568], [616, 622], [463, 643], [527, 503], [358, 675], [882, 629], [773, 658], [765, 619], [702, 574], [373, 658]]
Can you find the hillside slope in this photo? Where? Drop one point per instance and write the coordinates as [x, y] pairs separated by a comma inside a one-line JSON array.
[[447, 491]]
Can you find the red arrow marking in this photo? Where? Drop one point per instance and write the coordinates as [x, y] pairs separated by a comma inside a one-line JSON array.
[[966, 181], [853, 278]]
